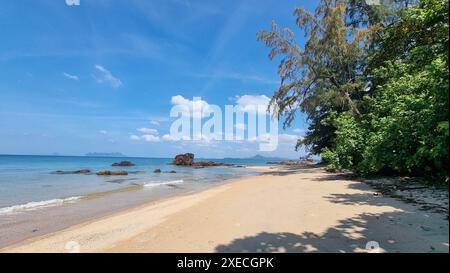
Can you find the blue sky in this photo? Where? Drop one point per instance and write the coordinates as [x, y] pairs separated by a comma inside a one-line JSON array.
[[100, 76]]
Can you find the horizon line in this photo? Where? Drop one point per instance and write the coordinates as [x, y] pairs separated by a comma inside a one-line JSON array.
[[93, 156]]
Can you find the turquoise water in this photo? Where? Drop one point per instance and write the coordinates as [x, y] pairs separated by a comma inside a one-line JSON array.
[[27, 181]]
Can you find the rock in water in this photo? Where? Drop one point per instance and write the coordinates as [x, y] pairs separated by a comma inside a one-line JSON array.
[[108, 173], [123, 164], [82, 171], [203, 164], [184, 160], [188, 160], [157, 171]]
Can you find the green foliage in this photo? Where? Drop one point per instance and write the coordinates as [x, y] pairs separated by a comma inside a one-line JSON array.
[[323, 76], [327, 74], [405, 127], [373, 82], [407, 117], [350, 141]]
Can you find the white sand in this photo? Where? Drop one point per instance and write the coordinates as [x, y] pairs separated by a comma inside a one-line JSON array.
[[283, 211]]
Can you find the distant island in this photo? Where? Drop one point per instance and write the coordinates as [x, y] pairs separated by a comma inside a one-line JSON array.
[[105, 154]]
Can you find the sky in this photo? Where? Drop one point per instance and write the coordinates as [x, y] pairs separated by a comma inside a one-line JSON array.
[[102, 76]]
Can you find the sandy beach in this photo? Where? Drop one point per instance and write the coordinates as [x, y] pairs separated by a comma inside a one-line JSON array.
[[284, 210]]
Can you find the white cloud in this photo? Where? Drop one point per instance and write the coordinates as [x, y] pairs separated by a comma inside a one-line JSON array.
[[260, 138], [71, 77], [135, 137], [103, 132], [107, 77], [288, 138], [251, 103], [155, 122], [148, 131], [180, 100], [149, 134], [168, 137], [299, 130], [150, 138], [203, 106]]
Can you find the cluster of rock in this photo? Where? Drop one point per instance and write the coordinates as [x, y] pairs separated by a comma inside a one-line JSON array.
[[188, 160], [109, 173], [203, 164], [294, 163], [123, 164], [183, 160], [180, 160], [117, 164], [159, 171], [81, 171]]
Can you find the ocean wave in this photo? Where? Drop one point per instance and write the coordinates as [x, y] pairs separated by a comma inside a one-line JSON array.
[[36, 205], [154, 184]]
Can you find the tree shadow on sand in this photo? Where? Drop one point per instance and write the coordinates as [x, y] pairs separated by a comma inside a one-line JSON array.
[[393, 231], [422, 197], [349, 236]]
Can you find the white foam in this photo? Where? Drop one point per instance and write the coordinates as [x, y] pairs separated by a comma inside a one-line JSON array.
[[37, 205], [154, 184]]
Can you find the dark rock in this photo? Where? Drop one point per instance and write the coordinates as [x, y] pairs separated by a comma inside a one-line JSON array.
[[203, 164], [157, 171], [184, 160], [61, 172], [123, 164], [188, 160], [81, 171], [108, 173], [170, 171]]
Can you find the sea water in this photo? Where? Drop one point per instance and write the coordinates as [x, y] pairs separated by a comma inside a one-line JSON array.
[[30, 182]]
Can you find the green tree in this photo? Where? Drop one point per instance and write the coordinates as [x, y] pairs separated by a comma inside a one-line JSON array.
[[405, 127], [326, 75], [373, 82]]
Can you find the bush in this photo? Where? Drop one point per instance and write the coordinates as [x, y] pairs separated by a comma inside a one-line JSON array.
[[405, 130]]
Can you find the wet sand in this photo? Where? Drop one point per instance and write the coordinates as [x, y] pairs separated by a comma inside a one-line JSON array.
[[290, 210], [16, 227]]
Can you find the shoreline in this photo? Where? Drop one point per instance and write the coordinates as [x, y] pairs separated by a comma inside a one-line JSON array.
[[29, 181], [124, 210], [42, 204], [282, 210], [19, 226]]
